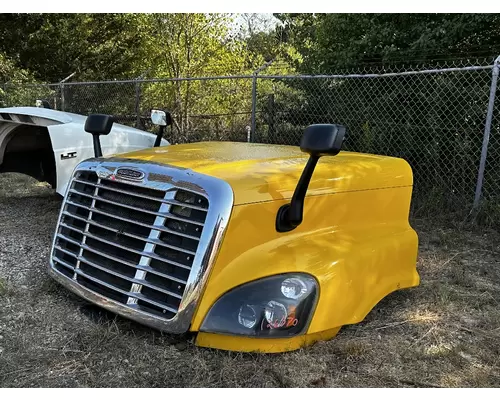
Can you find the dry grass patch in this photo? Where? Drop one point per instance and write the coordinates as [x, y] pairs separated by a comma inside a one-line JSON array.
[[446, 332]]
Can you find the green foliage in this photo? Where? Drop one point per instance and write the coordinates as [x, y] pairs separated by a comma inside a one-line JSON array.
[[435, 122], [107, 46], [330, 42], [193, 45], [17, 86], [52, 46], [9, 72], [186, 45]]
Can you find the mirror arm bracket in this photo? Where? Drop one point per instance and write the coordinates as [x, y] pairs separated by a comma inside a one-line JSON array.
[[96, 125], [97, 145], [290, 215], [159, 136]]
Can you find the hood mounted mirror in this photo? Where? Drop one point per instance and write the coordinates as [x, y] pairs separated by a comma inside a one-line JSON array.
[[162, 119]]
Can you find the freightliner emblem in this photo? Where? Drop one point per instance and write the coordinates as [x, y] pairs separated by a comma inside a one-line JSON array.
[[130, 174]]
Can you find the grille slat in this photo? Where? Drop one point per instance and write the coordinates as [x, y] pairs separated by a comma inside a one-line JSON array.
[[58, 260], [149, 226], [139, 253], [101, 225], [150, 270], [137, 266], [99, 253], [128, 278], [129, 294], [128, 193], [131, 243], [67, 239], [139, 296], [66, 252], [166, 215], [148, 240]]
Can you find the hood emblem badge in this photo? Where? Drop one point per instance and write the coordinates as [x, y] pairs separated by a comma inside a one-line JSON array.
[[130, 174]]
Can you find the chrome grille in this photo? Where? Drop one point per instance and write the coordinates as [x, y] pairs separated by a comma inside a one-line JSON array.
[[130, 243]]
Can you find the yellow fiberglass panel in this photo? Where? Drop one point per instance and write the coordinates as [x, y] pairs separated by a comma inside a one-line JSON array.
[[264, 345], [358, 245], [259, 173], [355, 238]]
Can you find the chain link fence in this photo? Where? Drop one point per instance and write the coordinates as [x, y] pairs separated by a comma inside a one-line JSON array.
[[437, 119]]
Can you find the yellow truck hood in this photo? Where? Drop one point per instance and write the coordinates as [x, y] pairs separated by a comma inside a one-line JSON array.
[[262, 172]]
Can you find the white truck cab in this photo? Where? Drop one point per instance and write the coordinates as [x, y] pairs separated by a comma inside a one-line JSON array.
[[48, 144]]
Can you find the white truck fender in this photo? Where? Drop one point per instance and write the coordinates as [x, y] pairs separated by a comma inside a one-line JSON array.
[[71, 144]]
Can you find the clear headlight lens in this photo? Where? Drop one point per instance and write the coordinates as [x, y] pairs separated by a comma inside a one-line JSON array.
[[247, 316], [293, 288], [276, 306], [275, 314]]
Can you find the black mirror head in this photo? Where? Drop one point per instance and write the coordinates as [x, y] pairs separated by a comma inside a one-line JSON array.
[[99, 124], [323, 139], [318, 140]]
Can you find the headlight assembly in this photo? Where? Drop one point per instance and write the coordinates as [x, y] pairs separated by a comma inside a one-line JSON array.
[[276, 306]]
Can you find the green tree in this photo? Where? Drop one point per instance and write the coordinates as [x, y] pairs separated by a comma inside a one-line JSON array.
[[194, 45], [52, 46], [329, 42], [434, 121], [9, 72], [19, 86]]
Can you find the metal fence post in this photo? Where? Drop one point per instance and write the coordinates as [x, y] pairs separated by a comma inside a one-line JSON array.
[[61, 87], [137, 105], [254, 99], [486, 136], [251, 137]]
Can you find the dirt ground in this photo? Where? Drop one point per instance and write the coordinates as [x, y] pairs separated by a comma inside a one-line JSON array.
[[446, 332]]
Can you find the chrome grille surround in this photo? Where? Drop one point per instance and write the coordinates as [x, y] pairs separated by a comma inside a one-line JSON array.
[[159, 177]]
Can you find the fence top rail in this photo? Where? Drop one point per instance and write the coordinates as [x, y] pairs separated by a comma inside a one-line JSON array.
[[387, 74], [124, 81], [208, 78]]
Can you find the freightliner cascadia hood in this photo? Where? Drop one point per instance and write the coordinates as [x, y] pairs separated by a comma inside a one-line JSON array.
[[262, 172]]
